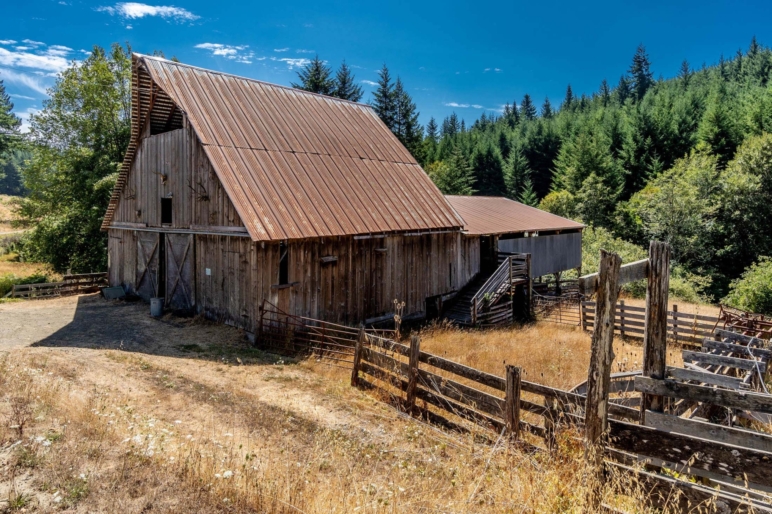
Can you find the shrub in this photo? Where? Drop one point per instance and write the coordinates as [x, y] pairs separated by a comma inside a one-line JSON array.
[[753, 290], [8, 280]]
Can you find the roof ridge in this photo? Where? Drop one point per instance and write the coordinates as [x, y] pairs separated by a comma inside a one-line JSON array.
[[207, 70]]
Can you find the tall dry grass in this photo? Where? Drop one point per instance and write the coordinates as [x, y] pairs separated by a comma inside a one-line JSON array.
[[92, 449]]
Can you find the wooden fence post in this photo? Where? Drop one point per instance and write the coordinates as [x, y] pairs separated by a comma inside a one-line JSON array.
[[675, 323], [529, 287], [601, 353], [415, 350], [550, 422], [622, 318], [474, 311], [261, 313], [582, 314], [512, 401], [655, 331], [357, 357]]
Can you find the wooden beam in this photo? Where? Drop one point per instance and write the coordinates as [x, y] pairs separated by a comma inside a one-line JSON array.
[[655, 332], [723, 360], [755, 402], [737, 348], [710, 431], [631, 272], [704, 377], [739, 338]]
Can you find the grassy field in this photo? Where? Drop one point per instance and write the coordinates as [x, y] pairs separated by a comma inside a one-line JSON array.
[[213, 428]]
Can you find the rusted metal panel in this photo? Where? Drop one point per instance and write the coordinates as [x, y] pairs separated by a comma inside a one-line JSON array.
[[489, 215], [295, 165]]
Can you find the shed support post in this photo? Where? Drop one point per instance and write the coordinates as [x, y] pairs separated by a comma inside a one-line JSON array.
[[474, 312], [512, 402], [357, 357], [415, 350], [655, 331], [622, 318], [599, 373], [529, 287]]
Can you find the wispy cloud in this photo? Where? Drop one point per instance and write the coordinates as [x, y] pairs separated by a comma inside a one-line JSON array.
[[293, 63], [7, 42], [238, 53], [369, 82], [304, 51], [135, 10], [286, 49], [21, 97], [52, 59], [33, 43], [463, 106], [22, 79], [494, 70]]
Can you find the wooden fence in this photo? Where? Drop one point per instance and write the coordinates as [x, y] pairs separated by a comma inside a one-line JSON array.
[[630, 321], [70, 284], [564, 308]]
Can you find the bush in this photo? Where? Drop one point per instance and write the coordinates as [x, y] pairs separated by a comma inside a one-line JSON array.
[[753, 290], [8, 280]]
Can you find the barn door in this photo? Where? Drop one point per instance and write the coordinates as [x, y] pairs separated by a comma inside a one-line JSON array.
[[179, 272], [147, 265]]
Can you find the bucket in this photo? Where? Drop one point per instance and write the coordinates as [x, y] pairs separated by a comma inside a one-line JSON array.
[[156, 307]]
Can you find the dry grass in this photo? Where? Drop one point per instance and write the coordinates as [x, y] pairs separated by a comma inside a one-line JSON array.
[[116, 432], [7, 214], [549, 353]]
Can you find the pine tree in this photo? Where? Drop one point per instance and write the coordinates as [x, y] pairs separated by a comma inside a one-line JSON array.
[[685, 73], [316, 77], [623, 90], [513, 118], [346, 86], [717, 128], [528, 196], [453, 176], [431, 130], [384, 101], [546, 109], [640, 73], [605, 93], [527, 108], [516, 171], [406, 126], [568, 101], [430, 141], [9, 124], [488, 169], [722, 72]]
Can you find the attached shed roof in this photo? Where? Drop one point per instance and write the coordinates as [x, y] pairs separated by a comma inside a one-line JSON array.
[[495, 215], [294, 164]]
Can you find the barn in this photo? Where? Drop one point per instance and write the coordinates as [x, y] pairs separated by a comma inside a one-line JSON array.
[[234, 191]]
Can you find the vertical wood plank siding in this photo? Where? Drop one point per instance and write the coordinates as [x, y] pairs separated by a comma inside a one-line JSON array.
[[549, 254], [198, 197]]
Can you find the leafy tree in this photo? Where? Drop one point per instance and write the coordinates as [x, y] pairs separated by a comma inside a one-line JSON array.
[[345, 86], [528, 196], [77, 141], [316, 77], [640, 73], [546, 109], [527, 108], [753, 291], [595, 201], [454, 176], [561, 203]]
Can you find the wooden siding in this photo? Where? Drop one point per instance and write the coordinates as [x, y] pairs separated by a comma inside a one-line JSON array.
[[198, 197], [362, 283], [549, 254]]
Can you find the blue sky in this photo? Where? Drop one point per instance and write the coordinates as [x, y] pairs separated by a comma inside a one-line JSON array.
[[452, 56]]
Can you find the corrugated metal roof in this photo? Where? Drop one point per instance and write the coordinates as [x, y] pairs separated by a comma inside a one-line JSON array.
[[296, 164], [489, 215]]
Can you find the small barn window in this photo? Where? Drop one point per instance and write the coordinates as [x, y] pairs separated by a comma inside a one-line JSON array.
[[283, 264], [166, 211]]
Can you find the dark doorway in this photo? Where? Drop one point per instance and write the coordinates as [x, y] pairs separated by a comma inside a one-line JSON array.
[[488, 254]]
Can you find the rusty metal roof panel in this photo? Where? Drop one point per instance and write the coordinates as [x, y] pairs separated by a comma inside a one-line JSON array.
[[489, 215], [295, 164]]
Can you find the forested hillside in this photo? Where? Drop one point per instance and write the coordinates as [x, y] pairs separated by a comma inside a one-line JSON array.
[[685, 159]]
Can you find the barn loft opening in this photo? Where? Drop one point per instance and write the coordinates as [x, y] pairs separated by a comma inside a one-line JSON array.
[[283, 264]]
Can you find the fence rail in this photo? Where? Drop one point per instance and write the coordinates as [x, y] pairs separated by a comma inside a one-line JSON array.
[[70, 284]]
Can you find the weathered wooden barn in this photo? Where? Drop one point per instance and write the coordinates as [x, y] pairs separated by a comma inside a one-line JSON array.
[[234, 191]]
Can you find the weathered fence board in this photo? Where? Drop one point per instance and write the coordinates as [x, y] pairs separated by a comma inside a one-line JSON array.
[[722, 360], [755, 402]]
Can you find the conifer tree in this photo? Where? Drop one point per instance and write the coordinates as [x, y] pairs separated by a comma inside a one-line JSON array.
[[527, 108], [640, 73], [431, 130], [568, 101], [605, 93], [346, 87], [622, 90], [546, 109], [316, 77], [685, 73], [9, 124], [516, 171], [717, 128], [453, 176], [430, 141], [406, 126], [528, 196], [384, 102]]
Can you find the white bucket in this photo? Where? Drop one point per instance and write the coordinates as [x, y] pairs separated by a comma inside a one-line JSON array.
[[156, 307]]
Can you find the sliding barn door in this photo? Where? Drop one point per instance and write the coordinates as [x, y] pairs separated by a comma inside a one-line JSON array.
[[147, 265], [180, 295]]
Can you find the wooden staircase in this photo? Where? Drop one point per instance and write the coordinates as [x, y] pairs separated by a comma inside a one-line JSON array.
[[459, 310]]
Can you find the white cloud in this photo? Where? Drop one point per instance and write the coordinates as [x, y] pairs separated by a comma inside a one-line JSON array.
[[495, 70], [486, 70], [280, 49], [51, 60], [33, 43], [22, 79], [7, 42], [21, 97], [22, 48], [25, 115], [304, 51], [135, 10], [369, 82], [238, 53], [293, 63], [477, 106], [463, 106], [129, 27]]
